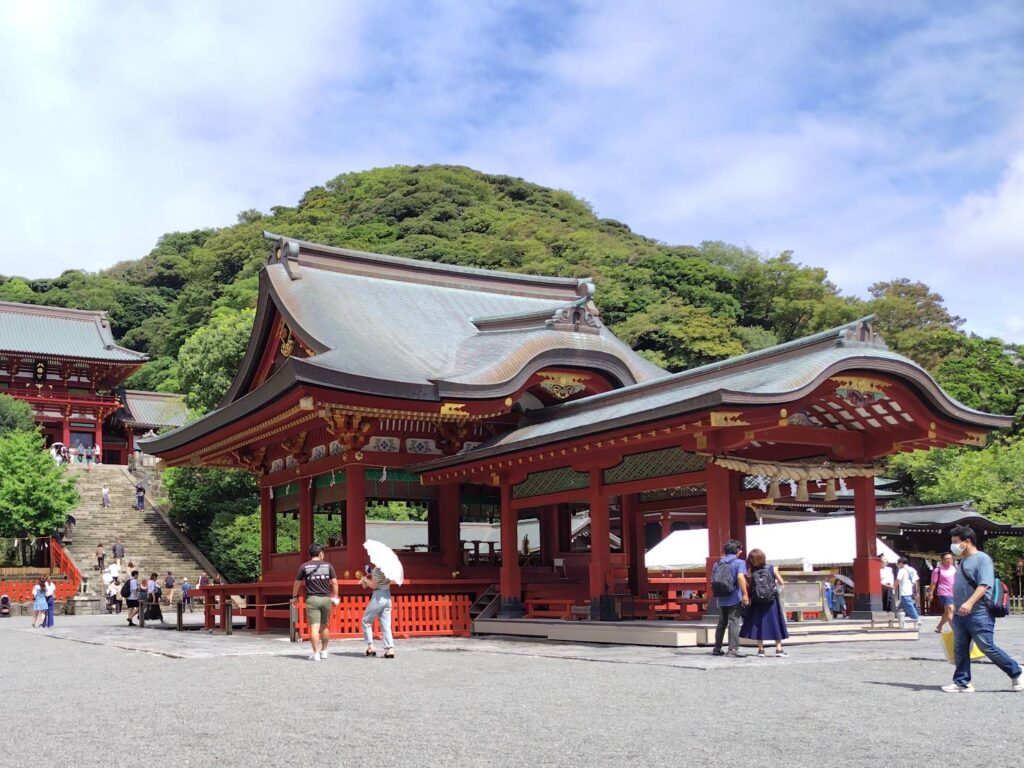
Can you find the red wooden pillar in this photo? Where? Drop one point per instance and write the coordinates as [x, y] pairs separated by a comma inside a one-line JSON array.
[[66, 438], [600, 548], [98, 435], [548, 519], [867, 567], [633, 521], [305, 516], [737, 510], [666, 525], [268, 534], [448, 522], [355, 518], [720, 504], [563, 515], [130, 437], [511, 575]]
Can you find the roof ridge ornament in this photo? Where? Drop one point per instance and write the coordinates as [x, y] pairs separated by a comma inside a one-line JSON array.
[[579, 317], [862, 332]]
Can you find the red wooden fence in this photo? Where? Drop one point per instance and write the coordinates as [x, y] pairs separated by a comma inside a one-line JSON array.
[[66, 577]]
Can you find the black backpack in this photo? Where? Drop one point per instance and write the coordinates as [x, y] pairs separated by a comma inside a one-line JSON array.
[[126, 590], [764, 588], [723, 580]]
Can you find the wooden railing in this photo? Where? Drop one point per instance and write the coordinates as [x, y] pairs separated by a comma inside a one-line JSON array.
[[416, 612]]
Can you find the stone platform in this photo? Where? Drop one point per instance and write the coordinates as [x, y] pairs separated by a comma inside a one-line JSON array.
[[671, 634]]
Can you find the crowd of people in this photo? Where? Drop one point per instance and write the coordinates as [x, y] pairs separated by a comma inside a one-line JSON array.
[[748, 599], [76, 454]]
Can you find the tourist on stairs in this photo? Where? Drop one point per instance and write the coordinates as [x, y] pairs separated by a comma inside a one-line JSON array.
[[765, 619]]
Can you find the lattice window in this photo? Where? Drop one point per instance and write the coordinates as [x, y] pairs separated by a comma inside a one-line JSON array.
[[551, 481], [682, 492], [667, 461]]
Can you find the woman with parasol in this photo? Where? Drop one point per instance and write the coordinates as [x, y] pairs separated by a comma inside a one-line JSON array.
[[385, 570]]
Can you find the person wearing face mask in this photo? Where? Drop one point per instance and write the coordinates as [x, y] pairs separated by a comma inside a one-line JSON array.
[[973, 620]]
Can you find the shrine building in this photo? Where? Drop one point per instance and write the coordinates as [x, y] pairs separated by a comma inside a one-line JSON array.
[[65, 364], [474, 395]]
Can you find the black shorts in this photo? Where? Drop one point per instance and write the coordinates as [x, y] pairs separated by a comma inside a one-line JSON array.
[[132, 603]]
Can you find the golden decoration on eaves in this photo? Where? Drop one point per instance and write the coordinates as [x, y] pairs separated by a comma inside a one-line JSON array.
[[563, 385]]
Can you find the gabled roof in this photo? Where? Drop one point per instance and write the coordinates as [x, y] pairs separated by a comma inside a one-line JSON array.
[[777, 374], [62, 333], [153, 410], [406, 328]]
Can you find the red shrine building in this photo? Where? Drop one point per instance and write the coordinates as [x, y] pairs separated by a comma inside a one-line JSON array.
[[65, 364], [482, 395]]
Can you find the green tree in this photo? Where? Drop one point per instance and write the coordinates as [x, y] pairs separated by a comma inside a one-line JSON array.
[[15, 415], [35, 494], [678, 336], [210, 358]]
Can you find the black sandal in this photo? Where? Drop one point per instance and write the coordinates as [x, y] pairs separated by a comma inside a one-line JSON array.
[[389, 654], [370, 653]]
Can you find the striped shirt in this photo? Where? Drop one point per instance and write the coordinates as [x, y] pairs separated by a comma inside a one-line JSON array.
[[378, 580]]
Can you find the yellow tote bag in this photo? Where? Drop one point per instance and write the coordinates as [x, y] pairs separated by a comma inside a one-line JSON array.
[[947, 646]]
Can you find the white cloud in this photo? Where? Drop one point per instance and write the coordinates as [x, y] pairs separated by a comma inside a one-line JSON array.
[[875, 142]]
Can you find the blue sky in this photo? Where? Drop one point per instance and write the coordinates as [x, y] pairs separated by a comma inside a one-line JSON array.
[[875, 141]]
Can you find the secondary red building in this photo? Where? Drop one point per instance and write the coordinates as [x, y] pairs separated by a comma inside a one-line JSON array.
[[65, 364], [476, 395]]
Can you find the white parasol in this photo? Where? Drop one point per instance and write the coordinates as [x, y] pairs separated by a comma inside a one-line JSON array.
[[845, 579], [382, 556]]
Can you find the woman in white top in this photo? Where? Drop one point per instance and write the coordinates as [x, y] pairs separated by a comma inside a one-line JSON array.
[[39, 606]]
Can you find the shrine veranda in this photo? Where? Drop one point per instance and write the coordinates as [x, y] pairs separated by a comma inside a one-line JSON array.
[[490, 396]]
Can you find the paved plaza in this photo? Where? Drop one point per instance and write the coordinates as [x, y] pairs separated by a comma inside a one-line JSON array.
[[109, 695]]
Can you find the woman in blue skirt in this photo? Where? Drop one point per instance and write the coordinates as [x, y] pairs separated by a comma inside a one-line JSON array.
[[765, 619], [39, 605]]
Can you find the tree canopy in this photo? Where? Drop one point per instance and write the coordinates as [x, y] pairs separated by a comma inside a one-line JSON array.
[[35, 493], [15, 415]]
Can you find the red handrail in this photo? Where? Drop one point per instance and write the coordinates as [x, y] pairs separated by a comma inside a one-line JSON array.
[[61, 561]]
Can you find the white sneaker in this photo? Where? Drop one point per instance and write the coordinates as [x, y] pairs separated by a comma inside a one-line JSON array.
[[954, 688], [314, 657], [1017, 683], [323, 655]]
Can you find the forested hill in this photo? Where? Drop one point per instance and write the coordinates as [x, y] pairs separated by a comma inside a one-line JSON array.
[[188, 303]]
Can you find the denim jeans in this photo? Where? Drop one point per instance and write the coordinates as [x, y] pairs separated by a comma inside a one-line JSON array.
[[907, 604], [379, 606], [979, 628], [729, 617]]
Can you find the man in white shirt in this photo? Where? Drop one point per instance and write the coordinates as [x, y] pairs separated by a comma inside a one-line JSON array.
[[51, 595], [908, 582], [888, 582]]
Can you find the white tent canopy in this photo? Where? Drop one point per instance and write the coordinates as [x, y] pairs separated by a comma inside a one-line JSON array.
[[816, 542]]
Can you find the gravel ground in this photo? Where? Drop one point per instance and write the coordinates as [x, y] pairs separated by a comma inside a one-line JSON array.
[[248, 701]]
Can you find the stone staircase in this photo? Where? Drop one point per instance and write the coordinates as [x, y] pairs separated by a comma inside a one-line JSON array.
[[149, 541]]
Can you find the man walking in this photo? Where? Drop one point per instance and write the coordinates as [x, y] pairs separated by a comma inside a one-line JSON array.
[[888, 582], [973, 619], [909, 583], [132, 600], [105, 496], [729, 585], [321, 585], [140, 497]]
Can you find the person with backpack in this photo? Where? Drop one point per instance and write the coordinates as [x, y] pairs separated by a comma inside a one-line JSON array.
[[765, 619], [169, 586], [130, 593], [978, 599], [729, 586]]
